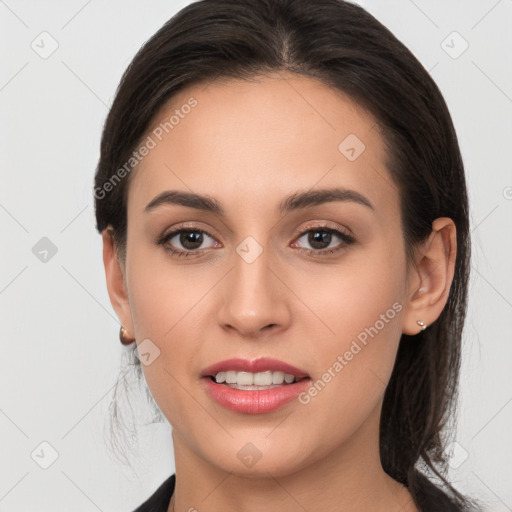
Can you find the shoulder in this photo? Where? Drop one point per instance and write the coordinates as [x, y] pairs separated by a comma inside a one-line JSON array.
[[159, 500]]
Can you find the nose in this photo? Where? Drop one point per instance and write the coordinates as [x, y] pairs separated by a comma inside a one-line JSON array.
[[254, 298]]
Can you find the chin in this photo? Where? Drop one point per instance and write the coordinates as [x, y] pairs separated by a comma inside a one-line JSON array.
[[249, 459]]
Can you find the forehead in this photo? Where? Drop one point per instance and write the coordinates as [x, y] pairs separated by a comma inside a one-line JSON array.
[[254, 141]]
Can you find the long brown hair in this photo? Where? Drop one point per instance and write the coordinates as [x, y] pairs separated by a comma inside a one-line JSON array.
[[346, 48]]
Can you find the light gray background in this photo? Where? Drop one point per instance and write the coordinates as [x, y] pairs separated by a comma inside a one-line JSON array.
[[60, 352]]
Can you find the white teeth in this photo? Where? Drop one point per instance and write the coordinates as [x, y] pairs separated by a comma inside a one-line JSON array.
[[230, 377], [277, 377], [288, 378], [258, 379], [244, 379], [261, 378]]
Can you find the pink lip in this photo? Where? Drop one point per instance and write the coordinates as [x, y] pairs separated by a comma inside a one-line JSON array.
[[254, 401], [262, 364]]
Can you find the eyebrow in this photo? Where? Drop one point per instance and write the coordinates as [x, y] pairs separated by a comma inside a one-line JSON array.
[[296, 201]]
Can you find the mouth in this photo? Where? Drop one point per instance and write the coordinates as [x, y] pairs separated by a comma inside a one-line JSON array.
[[262, 372], [254, 392]]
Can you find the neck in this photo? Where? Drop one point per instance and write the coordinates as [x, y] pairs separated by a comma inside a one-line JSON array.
[[349, 478]]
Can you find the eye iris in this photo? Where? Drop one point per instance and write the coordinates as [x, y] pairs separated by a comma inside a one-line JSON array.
[[314, 239], [193, 237]]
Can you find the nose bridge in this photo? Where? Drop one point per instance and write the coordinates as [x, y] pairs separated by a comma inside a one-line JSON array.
[[253, 295]]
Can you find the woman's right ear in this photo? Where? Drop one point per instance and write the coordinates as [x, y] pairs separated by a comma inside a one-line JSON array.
[[116, 283]]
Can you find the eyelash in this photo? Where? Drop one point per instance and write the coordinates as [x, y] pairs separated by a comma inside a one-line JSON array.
[[346, 239]]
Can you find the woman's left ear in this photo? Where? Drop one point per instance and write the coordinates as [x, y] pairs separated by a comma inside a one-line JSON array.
[[430, 277]]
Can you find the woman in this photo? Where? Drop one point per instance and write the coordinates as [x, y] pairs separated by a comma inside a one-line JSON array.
[[284, 215]]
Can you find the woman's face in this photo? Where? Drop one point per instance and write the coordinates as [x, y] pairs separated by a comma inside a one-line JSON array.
[[259, 281]]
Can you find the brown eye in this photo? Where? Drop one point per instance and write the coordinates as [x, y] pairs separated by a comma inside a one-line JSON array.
[[190, 240], [320, 239]]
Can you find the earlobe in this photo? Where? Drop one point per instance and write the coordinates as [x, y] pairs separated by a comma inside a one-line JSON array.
[[116, 281], [431, 276]]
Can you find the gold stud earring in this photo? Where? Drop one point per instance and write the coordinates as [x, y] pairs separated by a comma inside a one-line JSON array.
[[422, 324], [124, 338]]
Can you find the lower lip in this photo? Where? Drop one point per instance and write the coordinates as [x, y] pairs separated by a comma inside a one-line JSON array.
[[254, 401]]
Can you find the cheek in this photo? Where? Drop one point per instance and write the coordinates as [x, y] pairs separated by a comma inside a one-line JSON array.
[[354, 371], [162, 294], [357, 329], [359, 298], [167, 305]]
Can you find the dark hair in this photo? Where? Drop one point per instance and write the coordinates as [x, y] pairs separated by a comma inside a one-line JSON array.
[[346, 48]]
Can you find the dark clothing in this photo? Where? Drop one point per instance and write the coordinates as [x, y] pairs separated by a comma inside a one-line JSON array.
[[160, 499]]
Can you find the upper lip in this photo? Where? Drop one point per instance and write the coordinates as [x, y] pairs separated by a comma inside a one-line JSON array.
[[261, 364]]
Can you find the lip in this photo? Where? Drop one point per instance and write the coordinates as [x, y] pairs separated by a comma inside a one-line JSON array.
[[261, 364], [254, 401]]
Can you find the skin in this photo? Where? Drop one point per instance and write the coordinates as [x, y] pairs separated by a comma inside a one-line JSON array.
[[249, 145]]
